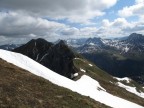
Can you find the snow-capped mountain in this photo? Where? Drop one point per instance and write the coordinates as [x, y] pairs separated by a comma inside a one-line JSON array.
[[135, 39], [119, 57], [9, 46], [85, 85], [94, 41], [91, 45], [133, 44]]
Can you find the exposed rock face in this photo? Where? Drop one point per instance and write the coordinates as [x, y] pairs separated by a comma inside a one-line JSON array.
[[135, 39], [58, 58]]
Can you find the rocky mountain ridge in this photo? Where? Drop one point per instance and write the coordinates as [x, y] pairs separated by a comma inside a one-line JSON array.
[[119, 57], [57, 57]]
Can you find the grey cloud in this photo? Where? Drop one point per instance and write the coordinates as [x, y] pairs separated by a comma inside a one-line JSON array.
[[69, 31], [82, 9], [23, 19], [138, 27], [14, 25]]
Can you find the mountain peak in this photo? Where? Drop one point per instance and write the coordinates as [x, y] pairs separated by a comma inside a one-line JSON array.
[[39, 40], [57, 57], [135, 38], [134, 35], [62, 45], [62, 42]]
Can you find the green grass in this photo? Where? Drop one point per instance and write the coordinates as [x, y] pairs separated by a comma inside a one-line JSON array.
[[92, 71], [108, 82]]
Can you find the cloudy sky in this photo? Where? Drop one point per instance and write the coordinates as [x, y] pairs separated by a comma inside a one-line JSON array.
[[22, 20]]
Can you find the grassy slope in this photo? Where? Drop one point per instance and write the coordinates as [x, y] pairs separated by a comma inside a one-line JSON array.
[[108, 82], [21, 89]]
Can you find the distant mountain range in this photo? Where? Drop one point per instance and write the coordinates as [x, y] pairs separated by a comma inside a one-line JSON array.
[[119, 57], [76, 42], [9, 46], [133, 44]]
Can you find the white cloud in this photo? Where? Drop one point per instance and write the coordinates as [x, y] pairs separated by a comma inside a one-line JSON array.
[[23, 20], [139, 1], [26, 19], [120, 27], [137, 27], [119, 23], [135, 10], [106, 23], [69, 31], [17, 25], [79, 11], [88, 32]]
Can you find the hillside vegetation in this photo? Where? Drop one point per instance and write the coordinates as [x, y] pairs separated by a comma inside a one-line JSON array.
[[109, 82], [21, 89]]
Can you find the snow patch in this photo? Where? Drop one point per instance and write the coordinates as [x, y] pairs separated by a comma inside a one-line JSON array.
[[131, 89], [111, 82], [85, 85], [91, 44], [90, 65], [126, 49], [79, 59], [82, 70], [35, 44], [43, 57], [76, 58], [74, 75], [123, 79], [37, 57]]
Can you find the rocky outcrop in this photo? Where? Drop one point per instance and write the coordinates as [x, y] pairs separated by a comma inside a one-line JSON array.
[[57, 57]]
